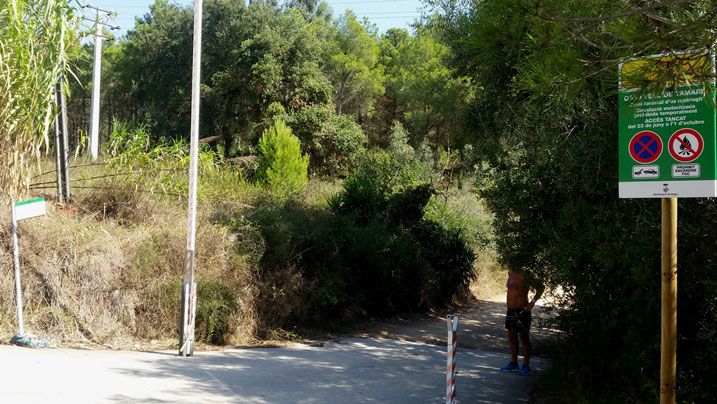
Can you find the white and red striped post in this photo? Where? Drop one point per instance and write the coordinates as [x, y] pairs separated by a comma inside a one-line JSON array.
[[452, 343]]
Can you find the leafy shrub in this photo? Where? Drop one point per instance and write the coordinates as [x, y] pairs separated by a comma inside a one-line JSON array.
[[333, 141], [449, 256], [461, 210], [371, 253], [376, 199], [377, 177], [283, 169], [398, 142], [214, 310], [298, 255]]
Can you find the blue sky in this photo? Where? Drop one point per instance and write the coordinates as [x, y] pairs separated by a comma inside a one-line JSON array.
[[384, 13]]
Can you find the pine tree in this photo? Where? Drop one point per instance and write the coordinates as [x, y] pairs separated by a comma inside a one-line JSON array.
[[283, 170]]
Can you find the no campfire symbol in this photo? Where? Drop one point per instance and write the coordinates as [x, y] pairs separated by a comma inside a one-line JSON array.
[[686, 145], [645, 147]]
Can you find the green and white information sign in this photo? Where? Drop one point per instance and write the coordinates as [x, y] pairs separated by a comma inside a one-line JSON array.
[[667, 141]]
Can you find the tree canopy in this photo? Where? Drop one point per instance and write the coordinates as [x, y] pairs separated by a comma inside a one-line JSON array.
[[545, 119]]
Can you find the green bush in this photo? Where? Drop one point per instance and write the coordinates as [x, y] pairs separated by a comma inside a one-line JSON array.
[[333, 141], [449, 256], [461, 210], [215, 305], [383, 200], [372, 252], [283, 169]]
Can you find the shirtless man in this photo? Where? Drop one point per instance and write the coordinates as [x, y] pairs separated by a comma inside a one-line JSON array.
[[517, 321]]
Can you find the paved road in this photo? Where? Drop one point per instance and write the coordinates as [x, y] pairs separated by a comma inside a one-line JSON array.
[[351, 370]]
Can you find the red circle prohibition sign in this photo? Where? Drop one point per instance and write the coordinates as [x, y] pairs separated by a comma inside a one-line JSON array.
[[686, 145], [645, 147]]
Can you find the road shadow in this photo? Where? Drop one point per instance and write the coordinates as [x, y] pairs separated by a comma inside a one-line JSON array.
[[481, 326], [354, 370]]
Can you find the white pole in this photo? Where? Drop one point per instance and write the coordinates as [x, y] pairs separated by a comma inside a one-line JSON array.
[[189, 285], [96, 79], [18, 284]]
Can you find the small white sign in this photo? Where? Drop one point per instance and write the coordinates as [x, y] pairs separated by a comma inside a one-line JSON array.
[[668, 189], [28, 209], [685, 171], [645, 172]]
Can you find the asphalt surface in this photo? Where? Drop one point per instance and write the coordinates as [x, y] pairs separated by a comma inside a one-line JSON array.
[[351, 370]]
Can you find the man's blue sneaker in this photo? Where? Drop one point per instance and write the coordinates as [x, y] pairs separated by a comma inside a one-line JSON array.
[[510, 367], [524, 370]]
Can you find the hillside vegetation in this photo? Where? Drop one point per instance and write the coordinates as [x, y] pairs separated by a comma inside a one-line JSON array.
[[347, 173], [271, 263]]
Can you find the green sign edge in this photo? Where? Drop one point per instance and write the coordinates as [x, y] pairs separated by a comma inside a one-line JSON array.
[[29, 201]]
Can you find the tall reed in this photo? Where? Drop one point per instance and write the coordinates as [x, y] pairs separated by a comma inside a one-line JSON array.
[[36, 39]]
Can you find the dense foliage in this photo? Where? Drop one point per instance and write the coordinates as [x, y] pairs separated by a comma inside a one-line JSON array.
[[374, 252], [332, 140], [314, 258], [545, 119], [334, 80]]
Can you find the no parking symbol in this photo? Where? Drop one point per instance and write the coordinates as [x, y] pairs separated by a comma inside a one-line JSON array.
[[645, 147]]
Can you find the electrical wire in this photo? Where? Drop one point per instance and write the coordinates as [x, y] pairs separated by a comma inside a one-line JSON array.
[[128, 13]]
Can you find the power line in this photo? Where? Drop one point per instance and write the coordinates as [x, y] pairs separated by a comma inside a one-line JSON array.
[[133, 11], [390, 12], [369, 1], [394, 17]]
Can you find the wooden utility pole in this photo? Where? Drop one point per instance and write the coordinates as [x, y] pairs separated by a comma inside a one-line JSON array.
[[189, 285], [668, 322], [61, 145], [58, 150], [65, 162], [668, 336]]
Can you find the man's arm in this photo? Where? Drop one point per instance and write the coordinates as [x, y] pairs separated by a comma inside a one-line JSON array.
[[538, 292]]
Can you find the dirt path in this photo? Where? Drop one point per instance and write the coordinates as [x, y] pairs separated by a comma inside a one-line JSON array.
[[481, 327]]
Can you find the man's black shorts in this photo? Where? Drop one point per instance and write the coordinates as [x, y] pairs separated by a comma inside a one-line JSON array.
[[518, 319]]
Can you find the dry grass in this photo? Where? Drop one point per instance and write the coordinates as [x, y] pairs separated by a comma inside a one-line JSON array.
[[111, 279], [491, 276]]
